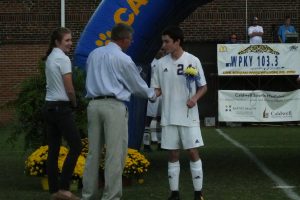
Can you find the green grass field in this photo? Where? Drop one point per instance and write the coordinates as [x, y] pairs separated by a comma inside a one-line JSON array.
[[229, 172]]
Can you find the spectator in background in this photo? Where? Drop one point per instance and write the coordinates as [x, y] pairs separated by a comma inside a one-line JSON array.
[[284, 29], [233, 39], [255, 32]]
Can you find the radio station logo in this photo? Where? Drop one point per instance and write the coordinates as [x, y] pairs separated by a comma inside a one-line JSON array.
[[259, 49], [223, 48]]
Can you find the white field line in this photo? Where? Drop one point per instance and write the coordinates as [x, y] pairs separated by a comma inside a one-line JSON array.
[[278, 181]]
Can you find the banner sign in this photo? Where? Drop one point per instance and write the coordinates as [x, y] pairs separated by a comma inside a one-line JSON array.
[[262, 59], [258, 106]]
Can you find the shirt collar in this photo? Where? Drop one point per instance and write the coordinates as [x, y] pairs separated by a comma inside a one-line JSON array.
[[114, 45], [55, 49]]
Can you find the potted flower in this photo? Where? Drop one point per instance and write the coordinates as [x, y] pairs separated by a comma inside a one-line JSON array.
[[136, 165], [35, 165]]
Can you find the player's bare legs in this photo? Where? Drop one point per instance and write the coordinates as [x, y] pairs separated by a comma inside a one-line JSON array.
[[193, 154]]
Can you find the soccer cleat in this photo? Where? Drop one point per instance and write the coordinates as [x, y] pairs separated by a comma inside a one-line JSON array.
[[174, 195], [198, 195]]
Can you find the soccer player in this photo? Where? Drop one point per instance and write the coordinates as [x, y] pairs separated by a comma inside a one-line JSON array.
[[152, 133], [180, 118]]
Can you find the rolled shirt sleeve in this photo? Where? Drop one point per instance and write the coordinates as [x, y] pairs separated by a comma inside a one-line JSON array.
[[130, 77]]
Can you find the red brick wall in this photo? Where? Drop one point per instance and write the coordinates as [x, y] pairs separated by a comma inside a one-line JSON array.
[[26, 24], [217, 20], [17, 61], [24, 34]]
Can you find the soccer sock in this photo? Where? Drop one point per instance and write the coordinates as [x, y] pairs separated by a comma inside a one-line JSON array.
[[159, 136], [146, 138], [173, 175], [197, 174], [153, 135], [153, 130]]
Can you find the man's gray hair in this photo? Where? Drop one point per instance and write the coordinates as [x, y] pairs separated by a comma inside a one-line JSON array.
[[121, 31]]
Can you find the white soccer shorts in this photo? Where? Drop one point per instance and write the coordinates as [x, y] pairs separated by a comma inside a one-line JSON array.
[[177, 137]]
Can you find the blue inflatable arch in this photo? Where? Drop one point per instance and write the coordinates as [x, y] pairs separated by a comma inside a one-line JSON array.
[[148, 18]]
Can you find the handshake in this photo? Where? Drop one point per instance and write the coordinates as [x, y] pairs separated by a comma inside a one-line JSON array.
[[156, 94]]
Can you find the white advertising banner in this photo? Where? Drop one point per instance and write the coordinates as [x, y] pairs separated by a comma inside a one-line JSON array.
[[258, 106], [262, 59]]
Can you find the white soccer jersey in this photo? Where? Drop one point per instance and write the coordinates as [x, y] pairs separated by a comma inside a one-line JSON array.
[[154, 108], [169, 77]]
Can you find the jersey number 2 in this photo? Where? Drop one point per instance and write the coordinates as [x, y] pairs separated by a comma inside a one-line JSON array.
[[180, 69]]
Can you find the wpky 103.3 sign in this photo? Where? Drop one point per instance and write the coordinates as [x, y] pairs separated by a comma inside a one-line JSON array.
[[266, 59]]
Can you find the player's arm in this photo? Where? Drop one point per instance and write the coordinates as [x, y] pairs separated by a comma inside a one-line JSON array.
[[199, 94]]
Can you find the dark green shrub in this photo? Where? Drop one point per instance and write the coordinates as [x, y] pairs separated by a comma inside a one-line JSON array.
[[30, 101]]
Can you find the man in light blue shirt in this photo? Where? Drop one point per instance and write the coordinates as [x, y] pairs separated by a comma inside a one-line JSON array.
[[284, 29], [111, 78]]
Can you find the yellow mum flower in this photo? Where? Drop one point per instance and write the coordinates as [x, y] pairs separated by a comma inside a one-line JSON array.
[[35, 165], [191, 71]]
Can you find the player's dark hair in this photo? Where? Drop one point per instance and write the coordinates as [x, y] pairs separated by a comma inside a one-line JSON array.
[[175, 33]]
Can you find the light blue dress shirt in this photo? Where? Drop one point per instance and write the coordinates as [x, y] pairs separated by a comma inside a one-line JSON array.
[[283, 29], [110, 72]]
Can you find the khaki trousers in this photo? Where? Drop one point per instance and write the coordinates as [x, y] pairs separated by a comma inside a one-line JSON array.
[[107, 124]]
